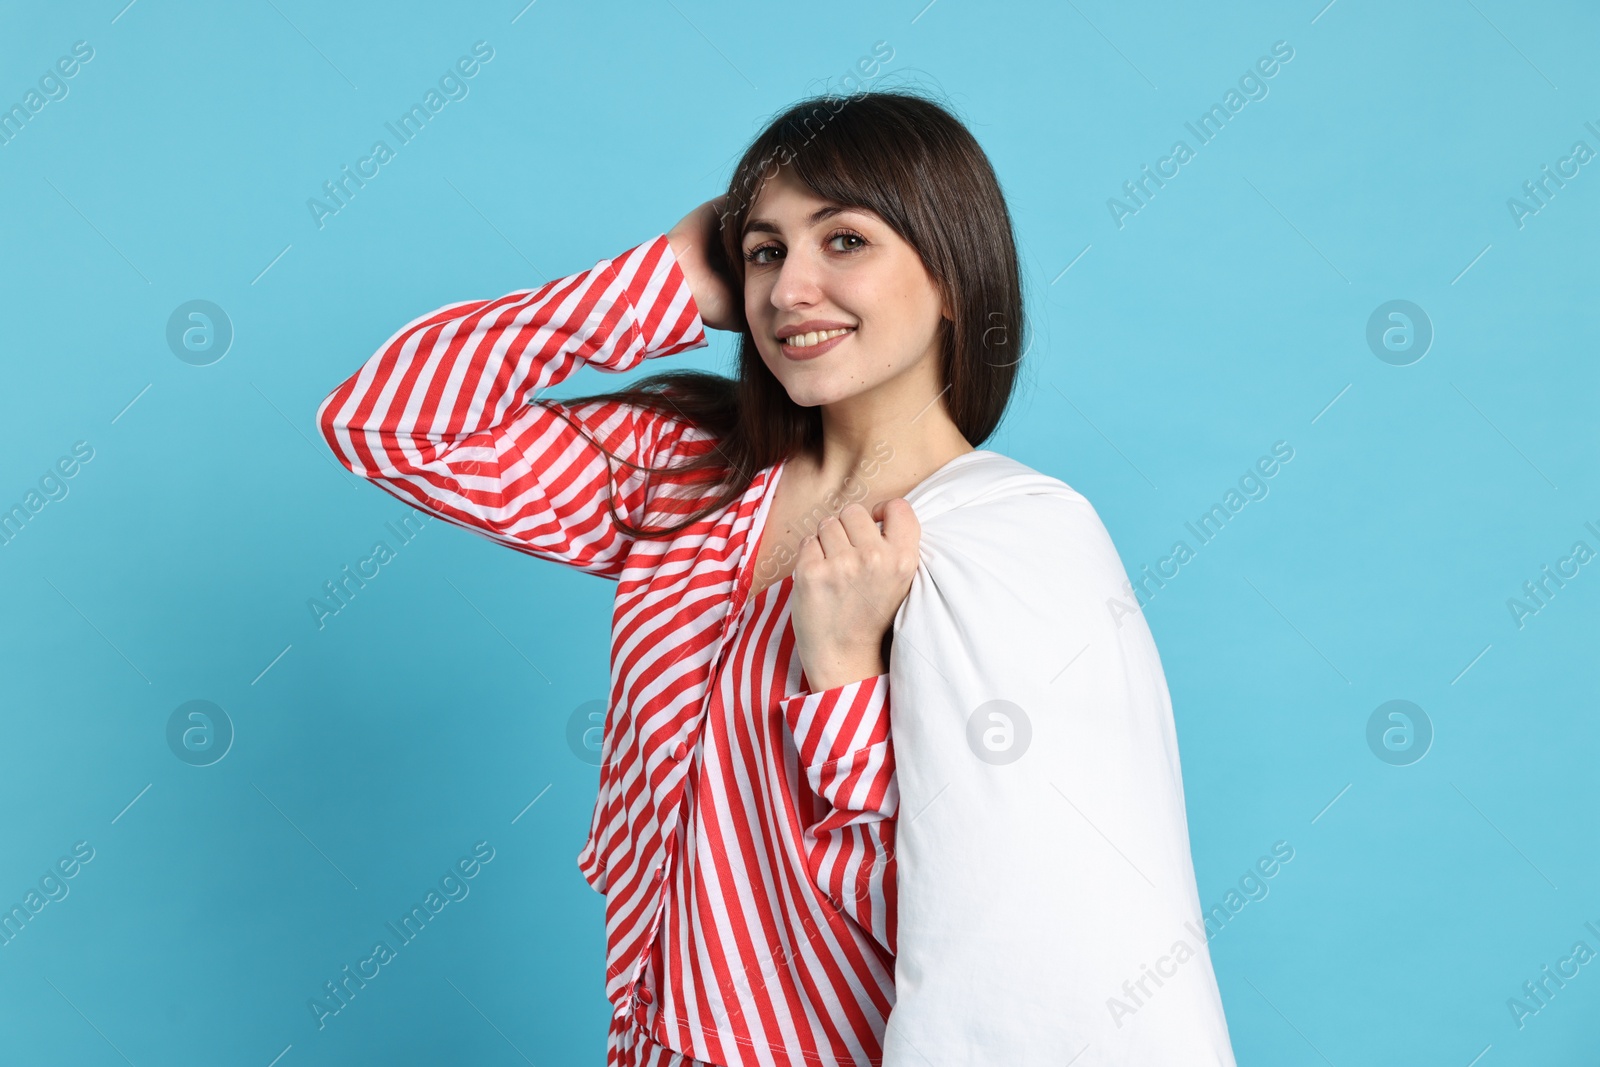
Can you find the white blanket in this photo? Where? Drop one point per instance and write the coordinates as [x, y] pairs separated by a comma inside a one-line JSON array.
[[1047, 905]]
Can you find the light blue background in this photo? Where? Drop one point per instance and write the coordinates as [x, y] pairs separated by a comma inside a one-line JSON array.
[[1228, 314]]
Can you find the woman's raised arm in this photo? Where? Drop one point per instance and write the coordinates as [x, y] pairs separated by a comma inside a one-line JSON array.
[[442, 415]]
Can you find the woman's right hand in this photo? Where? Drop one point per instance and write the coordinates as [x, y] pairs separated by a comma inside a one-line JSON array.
[[697, 242]]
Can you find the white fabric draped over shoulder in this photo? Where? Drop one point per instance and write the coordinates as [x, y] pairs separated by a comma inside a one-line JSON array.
[[1048, 912]]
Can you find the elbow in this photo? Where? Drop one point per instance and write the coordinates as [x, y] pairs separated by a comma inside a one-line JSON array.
[[335, 433]]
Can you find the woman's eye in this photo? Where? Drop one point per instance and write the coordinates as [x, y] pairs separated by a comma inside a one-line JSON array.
[[771, 253]]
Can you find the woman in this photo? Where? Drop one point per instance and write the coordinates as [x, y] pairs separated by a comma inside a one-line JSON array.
[[744, 833]]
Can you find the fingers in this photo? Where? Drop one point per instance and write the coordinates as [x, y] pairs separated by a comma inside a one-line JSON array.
[[834, 536], [857, 527], [858, 523], [807, 556], [900, 525]]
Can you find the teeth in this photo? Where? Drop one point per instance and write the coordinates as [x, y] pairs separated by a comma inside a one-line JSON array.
[[806, 340]]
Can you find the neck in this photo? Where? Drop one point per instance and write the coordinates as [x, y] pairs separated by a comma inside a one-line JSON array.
[[889, 456]]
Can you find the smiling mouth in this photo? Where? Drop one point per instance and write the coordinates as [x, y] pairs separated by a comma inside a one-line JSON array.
[[806, 340]]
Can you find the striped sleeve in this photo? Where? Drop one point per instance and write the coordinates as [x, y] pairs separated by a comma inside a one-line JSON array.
[[443, 415], [842, 736]]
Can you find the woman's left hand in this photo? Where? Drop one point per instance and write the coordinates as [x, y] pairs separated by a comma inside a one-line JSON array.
[[849, 580]]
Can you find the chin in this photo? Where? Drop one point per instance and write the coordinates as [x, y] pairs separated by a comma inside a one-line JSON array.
[[812, 390], [808, 396]]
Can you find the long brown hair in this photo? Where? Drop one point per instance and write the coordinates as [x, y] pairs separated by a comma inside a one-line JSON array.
[[910, 161]]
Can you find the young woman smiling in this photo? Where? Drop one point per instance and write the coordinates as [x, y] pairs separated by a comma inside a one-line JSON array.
[[761, 540]]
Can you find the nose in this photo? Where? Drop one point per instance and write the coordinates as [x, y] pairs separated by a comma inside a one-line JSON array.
[[799, 281]]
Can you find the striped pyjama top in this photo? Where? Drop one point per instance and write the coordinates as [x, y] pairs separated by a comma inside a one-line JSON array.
[[743, 831]]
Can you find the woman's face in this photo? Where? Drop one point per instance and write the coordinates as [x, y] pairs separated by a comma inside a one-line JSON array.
[[842, 279]]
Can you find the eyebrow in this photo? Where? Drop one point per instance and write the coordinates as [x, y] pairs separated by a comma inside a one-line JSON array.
[[768, 226]]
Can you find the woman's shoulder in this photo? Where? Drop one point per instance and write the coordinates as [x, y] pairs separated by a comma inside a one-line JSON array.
[[990, 482], [1019, 528]]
